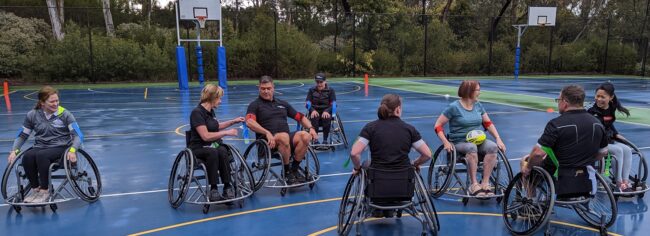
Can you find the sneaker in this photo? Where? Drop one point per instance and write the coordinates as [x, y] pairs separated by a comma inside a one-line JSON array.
[[290, 179], [214, 195], [228, 193], [31, 196], [316, 142], [298, 175], [43, 196]]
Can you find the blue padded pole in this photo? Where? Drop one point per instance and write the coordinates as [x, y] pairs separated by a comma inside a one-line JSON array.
[[517, 56], [181, 68], [221, 67], [199, 63]]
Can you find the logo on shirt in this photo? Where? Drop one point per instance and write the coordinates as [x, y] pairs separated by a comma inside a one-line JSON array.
[[58, 123], [607, 118], [280, 106]]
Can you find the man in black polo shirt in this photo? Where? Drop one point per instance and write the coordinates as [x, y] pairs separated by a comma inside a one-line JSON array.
[[322, 99], [574, 139], [267, 117]]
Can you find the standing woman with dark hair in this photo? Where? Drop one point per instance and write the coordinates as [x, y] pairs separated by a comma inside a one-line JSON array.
[[206, 130], [55, 129], [605, 109], [390, 139], [465, 115]]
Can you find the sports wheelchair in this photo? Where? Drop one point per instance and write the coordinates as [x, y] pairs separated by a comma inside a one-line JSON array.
[[638, 172], [79, 179], [184, 180], [337, 132], [268, 171], [448, 174], [390, 191], [528, 201]]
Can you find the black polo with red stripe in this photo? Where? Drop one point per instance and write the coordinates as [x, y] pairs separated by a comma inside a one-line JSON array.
[[272, 115]]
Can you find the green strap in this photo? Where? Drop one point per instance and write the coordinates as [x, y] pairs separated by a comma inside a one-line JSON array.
[[608, 164], [549, 152]]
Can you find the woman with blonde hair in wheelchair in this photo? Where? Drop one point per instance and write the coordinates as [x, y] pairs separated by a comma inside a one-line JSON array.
[[206, 134], [465, 115], [55, 129], [390, 139]]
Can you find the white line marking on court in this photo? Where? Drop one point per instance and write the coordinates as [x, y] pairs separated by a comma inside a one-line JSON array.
[[165, 190], [641, 148]]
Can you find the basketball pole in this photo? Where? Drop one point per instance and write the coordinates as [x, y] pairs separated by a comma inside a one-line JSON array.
[[521, 29]]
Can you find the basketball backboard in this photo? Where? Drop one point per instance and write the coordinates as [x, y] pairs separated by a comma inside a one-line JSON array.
[[192, 9], [541, 16]]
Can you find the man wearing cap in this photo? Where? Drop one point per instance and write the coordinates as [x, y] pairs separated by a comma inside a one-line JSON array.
[[321, 97]]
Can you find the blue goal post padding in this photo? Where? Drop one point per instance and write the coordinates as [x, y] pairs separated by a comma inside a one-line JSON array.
[[221, 68], [181, 68]]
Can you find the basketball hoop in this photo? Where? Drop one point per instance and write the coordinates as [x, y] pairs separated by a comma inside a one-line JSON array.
[[201, 20], [542, 21]]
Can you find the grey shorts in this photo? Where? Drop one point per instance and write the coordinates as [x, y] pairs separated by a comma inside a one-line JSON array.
[[487, 147]]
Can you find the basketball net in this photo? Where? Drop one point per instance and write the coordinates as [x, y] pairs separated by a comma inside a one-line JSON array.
[[201, 20]]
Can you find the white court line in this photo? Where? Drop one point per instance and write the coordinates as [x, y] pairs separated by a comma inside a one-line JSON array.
[[165, 190]]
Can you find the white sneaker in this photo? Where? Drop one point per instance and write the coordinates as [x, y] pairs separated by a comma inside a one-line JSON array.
[[31, 196], [43, 196]]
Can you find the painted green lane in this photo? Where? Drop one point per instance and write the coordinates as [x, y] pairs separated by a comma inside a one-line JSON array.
[[638, 115]]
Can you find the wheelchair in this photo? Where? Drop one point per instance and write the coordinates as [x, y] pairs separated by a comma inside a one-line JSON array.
[[78, 179], [184, 180], [390, 191], [529, 201], [337, 132], [638, 172], [268, 171], [448, 175]]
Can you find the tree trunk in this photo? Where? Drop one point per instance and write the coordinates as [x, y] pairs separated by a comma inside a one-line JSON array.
[[108, 18], [55, 19], [59, 6], [445, 11]]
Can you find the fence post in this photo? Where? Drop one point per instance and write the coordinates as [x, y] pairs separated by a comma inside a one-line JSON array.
[[275, 35], [491, 41], [645, 53], [425, 23], [90, 49], [606, 46], [550, 53], [354, 44], [336, 22]]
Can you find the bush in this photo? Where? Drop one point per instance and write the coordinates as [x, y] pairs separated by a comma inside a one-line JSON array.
[[20, 41]]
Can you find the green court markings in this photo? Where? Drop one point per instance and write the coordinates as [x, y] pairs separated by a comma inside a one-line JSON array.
[[638, 115], [174, 84]]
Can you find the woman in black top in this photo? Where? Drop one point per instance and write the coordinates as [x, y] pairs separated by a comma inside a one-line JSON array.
[[390, 139], [205, 137], [605, 109]]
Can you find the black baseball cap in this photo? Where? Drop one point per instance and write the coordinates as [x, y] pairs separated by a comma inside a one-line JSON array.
[[320, 77]]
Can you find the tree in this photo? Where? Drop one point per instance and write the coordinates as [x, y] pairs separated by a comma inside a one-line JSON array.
[[55, 10], [108, 18]]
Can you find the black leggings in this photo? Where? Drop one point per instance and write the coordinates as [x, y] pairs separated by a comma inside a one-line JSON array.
[[325, 123], [36, 162], [217, 160]]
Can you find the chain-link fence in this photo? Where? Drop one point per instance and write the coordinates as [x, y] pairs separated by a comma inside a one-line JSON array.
[[299, 43]]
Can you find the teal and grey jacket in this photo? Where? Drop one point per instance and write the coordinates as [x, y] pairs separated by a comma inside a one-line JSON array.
[[61, 129]]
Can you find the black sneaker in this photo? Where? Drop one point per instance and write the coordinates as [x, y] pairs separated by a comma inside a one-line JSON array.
[[228, 193], [290, 179], [214, 195], [298, 175]]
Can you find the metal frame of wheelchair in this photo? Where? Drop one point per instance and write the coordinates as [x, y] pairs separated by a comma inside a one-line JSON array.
[[183, 181], [262, 161], [638, 173], [444, 176], [356, 206], [337, 135], [529, 202], [75, 182]]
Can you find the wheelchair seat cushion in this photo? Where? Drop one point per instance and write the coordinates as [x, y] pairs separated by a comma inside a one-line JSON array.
[[573, 182], [390, 185]]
